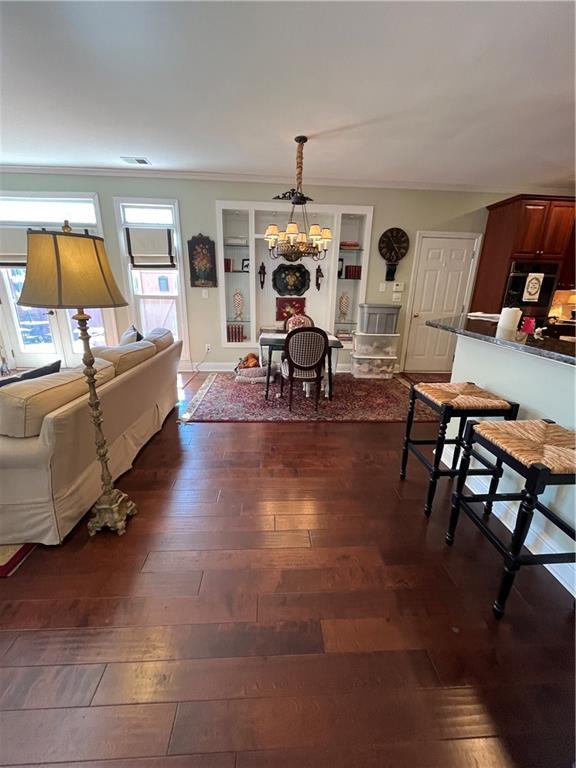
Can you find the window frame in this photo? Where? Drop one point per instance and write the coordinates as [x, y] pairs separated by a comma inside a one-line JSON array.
[[181, 298]]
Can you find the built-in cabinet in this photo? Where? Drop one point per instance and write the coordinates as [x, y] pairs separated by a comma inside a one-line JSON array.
[[246, 270], [523, 228]]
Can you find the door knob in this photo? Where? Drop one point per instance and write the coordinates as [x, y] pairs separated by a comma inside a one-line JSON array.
[[417, 314]]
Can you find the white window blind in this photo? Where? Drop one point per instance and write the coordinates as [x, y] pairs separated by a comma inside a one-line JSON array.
[[150, 248]]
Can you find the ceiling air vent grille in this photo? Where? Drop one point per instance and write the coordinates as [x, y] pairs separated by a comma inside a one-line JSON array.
[[136, 160]]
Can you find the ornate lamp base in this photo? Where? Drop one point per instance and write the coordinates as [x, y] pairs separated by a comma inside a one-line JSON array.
[[113, 507], [111, 511]]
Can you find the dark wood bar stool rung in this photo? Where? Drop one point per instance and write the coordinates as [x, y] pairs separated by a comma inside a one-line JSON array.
[[541, 452], [462, 400]]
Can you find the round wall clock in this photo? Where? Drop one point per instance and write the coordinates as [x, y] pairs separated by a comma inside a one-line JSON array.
[[393, 245]]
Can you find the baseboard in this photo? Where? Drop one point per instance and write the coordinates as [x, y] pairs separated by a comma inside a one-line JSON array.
[[208, 367], [537, 542]]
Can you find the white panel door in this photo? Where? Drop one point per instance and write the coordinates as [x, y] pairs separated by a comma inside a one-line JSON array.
[[444, 268]]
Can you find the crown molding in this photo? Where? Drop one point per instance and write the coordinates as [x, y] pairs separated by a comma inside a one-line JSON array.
[[243, 178]]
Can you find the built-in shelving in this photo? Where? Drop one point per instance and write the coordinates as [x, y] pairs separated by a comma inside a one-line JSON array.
[[249, 220]]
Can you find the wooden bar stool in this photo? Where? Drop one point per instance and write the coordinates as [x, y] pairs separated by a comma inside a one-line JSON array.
[[541, 452], [449, 401]]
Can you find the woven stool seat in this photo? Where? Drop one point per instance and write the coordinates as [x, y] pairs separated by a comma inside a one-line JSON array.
[[462, 395], [534, 442]]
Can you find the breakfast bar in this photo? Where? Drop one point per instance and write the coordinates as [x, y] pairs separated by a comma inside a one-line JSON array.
[[540, 375]]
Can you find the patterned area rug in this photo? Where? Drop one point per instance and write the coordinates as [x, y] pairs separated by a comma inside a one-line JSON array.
[[222, 399]]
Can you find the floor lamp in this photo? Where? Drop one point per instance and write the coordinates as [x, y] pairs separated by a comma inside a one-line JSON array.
[[66, 270]]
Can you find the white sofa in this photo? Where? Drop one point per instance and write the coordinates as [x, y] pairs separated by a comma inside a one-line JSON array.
[[49, 474]]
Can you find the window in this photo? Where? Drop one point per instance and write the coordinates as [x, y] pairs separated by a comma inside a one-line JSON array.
[[36, 335], [42, 211], [150, 239]]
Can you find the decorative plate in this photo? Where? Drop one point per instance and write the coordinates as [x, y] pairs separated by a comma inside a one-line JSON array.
[[291, 279]]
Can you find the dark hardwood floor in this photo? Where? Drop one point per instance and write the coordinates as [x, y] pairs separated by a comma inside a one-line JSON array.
[[280, 601]]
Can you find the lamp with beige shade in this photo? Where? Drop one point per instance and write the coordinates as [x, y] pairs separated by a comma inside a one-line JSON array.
[[69, 270]]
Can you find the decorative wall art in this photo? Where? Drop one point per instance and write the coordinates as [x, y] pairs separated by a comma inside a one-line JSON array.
[[291, 279], [287, 307], [262, 275], [202, 256]]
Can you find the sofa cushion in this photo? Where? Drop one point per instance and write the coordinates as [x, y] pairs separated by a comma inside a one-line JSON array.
[[126, 356], [130, 335], [160, 337], [45, 370], [24, 404]]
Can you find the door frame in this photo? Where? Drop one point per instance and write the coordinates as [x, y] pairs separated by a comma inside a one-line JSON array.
[[421, 235]]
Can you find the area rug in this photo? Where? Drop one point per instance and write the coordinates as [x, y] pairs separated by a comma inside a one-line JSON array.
[[355, 400], [11, 556]]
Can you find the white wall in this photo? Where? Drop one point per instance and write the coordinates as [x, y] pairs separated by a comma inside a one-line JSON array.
[[410, 209]]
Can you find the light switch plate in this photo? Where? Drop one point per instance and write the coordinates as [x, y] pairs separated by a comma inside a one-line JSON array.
[[398, 287], [382, 287], [204, 293], [396, 298]]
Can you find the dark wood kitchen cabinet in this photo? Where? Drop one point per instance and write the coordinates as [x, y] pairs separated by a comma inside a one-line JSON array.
[[522, 228]]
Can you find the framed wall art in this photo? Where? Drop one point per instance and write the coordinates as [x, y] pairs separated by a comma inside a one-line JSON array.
[[202, 257], [287, 307]]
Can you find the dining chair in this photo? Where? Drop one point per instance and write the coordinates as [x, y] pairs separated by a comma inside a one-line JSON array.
[[298, 321], [305, 351]]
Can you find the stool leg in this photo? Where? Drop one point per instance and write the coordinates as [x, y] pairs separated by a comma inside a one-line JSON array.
[[460, 483], [409, 420], [459, 443], [511, 568], [444, 419], [493, 486]]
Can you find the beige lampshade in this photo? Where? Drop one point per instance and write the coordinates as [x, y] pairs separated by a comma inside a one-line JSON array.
[[68, 270], [572, 299], [315, 232], [292, 228], [282, 237], [327, 234], [271, 230]]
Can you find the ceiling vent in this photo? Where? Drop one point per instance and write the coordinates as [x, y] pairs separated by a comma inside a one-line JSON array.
[[136, 160]]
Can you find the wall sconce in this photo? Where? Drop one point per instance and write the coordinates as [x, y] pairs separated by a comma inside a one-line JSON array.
[[262, 275], [319, 277]]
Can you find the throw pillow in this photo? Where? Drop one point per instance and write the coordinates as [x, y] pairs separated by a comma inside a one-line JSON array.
[[45, 370], [8, 380], [130, 335]]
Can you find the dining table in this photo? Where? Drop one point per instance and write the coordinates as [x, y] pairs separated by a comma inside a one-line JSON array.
[[274, 342]]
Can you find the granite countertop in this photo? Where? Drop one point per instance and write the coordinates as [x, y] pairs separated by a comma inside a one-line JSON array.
[[485, 330]]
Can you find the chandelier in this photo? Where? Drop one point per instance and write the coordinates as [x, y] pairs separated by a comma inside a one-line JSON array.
[[294, 243]]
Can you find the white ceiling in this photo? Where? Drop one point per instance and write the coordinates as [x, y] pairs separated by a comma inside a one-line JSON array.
[[449, 95]]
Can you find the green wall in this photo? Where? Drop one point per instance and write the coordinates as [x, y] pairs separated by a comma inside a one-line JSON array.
[[412, 210]]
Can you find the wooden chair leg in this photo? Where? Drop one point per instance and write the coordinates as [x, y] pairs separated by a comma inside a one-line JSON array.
[[318, 383], [409, 420], [281, 385], [290, 394]]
